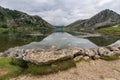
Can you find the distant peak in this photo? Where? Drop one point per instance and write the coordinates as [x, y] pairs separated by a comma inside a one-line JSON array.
[[107, 10]]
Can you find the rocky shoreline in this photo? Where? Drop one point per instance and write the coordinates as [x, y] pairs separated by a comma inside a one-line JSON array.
[[48, 56]]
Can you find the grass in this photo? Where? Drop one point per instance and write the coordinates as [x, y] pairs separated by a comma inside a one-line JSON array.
[[4, 30], [110, 30], [18, 67], [13, 70], [51, 68], [110, 58]]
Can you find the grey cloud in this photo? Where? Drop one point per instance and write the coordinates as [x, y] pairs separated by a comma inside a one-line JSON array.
[[62, 12]]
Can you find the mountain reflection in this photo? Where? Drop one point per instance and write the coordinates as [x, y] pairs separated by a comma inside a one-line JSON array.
[[61, 40]]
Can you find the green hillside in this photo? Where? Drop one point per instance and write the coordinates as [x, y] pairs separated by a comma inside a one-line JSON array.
[[16, 21]]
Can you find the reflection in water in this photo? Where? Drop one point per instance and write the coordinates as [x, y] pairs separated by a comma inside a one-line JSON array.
[[104, 40], [12, 40], [61, 40]]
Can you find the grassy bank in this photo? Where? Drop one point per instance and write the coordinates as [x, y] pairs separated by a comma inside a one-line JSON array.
[[16, 67], [110, 58], [8, 69], [110, 30]]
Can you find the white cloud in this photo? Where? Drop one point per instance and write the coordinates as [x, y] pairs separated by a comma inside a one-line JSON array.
[[62, 12], [103, 2]]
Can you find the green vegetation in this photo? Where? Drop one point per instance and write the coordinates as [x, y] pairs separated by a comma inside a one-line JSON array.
[[9, 69], [51, 68], [16, 67], [4, 30], [109, 58], [18, 21], [110, 30]]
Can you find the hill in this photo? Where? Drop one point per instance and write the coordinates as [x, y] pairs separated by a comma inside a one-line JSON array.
[[104, 18], [17, 21]]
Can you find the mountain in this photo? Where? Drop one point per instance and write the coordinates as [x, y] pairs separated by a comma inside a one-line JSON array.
[[104, 18], [17, 21]]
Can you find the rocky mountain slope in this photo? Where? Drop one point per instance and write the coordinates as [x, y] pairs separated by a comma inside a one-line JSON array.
[[21, 22], [104, 18]]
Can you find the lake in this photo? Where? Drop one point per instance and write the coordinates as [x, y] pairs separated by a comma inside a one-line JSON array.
[[59, 39]]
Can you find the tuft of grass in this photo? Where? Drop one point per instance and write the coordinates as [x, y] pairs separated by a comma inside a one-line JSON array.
[[109, 58]]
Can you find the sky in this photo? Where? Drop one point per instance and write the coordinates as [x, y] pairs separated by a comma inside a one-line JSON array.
[[62, 12]]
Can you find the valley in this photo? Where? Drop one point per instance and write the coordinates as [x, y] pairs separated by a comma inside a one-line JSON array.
[[33, 49]]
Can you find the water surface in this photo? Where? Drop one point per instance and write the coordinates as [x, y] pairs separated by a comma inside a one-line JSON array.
[[59, 39]]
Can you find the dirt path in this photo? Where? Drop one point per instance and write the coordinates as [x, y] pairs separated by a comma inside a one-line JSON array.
[[92, 70]]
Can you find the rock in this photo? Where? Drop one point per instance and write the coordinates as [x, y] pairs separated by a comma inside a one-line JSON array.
[[51, 55], [102, 51], [86, 58], [77, 51], [89, 52], [96, 57], [46, 57], [78, 58], [2, 54], [116, 53], [95, 51], [113, 48]]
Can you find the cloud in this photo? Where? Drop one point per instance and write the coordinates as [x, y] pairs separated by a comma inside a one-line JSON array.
[[104, 2], [62, 12]]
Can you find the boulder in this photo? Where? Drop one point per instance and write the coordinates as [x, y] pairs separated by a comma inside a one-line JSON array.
[[2, 54], [103, 51], [77, 52], [46, 57], [78, 58], [86, 58], [116, 53], [96, 57], [113, 48], [89, 52]]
